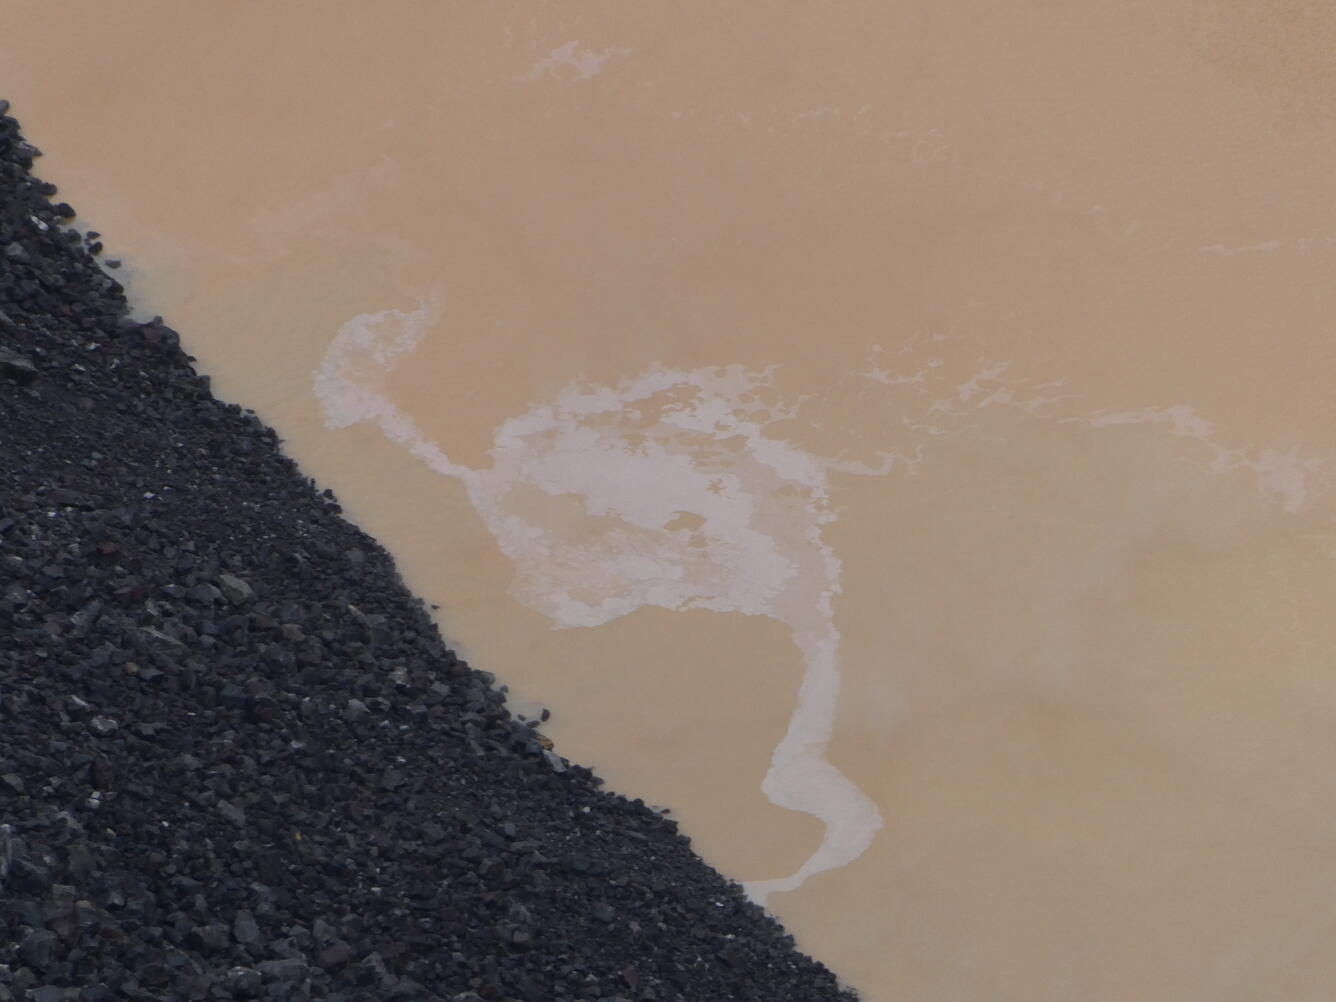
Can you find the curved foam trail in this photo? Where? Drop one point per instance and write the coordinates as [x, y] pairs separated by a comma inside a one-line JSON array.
[[801, 779], [639, 457], [365, 348]]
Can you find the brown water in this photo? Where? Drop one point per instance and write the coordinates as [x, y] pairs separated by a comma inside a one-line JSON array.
[[896, 435]]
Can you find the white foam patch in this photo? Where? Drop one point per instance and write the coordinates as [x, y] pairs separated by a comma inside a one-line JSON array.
[[1284, 475], [571, 62], [347, 381], [945, 404], [630, 461], [587, 494]]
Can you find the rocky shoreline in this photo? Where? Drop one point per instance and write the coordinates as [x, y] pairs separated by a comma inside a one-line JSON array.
[[236, 759]]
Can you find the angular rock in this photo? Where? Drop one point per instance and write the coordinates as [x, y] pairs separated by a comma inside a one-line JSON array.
[[335, 955], [37, 949], [103, 726], [232, 813], [238, 592], [323, 932], [287, 970], [7, 850], [244, 929], [16, 368], [243, 982], [210, 938]]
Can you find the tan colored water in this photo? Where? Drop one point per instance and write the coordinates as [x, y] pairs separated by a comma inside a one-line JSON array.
[[896, 435]]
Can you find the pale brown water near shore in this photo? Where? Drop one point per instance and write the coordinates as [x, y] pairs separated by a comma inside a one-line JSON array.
[[896, 435]]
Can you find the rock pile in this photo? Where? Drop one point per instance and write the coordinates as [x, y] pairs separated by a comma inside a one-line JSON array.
[[236, 759]]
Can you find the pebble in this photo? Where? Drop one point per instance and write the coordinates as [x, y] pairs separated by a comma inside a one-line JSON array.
[[236, 590], [38, 948], [211, 938], [16, 367], [243, 982], [244, 928], [103, 726]]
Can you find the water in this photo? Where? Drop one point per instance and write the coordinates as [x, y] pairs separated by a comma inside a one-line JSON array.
[[897, 438]]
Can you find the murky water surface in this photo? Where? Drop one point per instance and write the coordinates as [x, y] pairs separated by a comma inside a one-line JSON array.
[[896, 435]]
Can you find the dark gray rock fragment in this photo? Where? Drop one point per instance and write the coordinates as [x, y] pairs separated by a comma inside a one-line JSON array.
[[286, 970], [205, 592], [243, 982], [38, 949], [23, 979], [103, 725], [16, 368], [335, 955], [238, 592], [323, 932], [232, 813], [210, 938], [7, 850], [28, 876], [244, 928]]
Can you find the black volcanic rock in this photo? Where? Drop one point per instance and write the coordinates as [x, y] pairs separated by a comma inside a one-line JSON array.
[[15, 367], [236, 758]]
